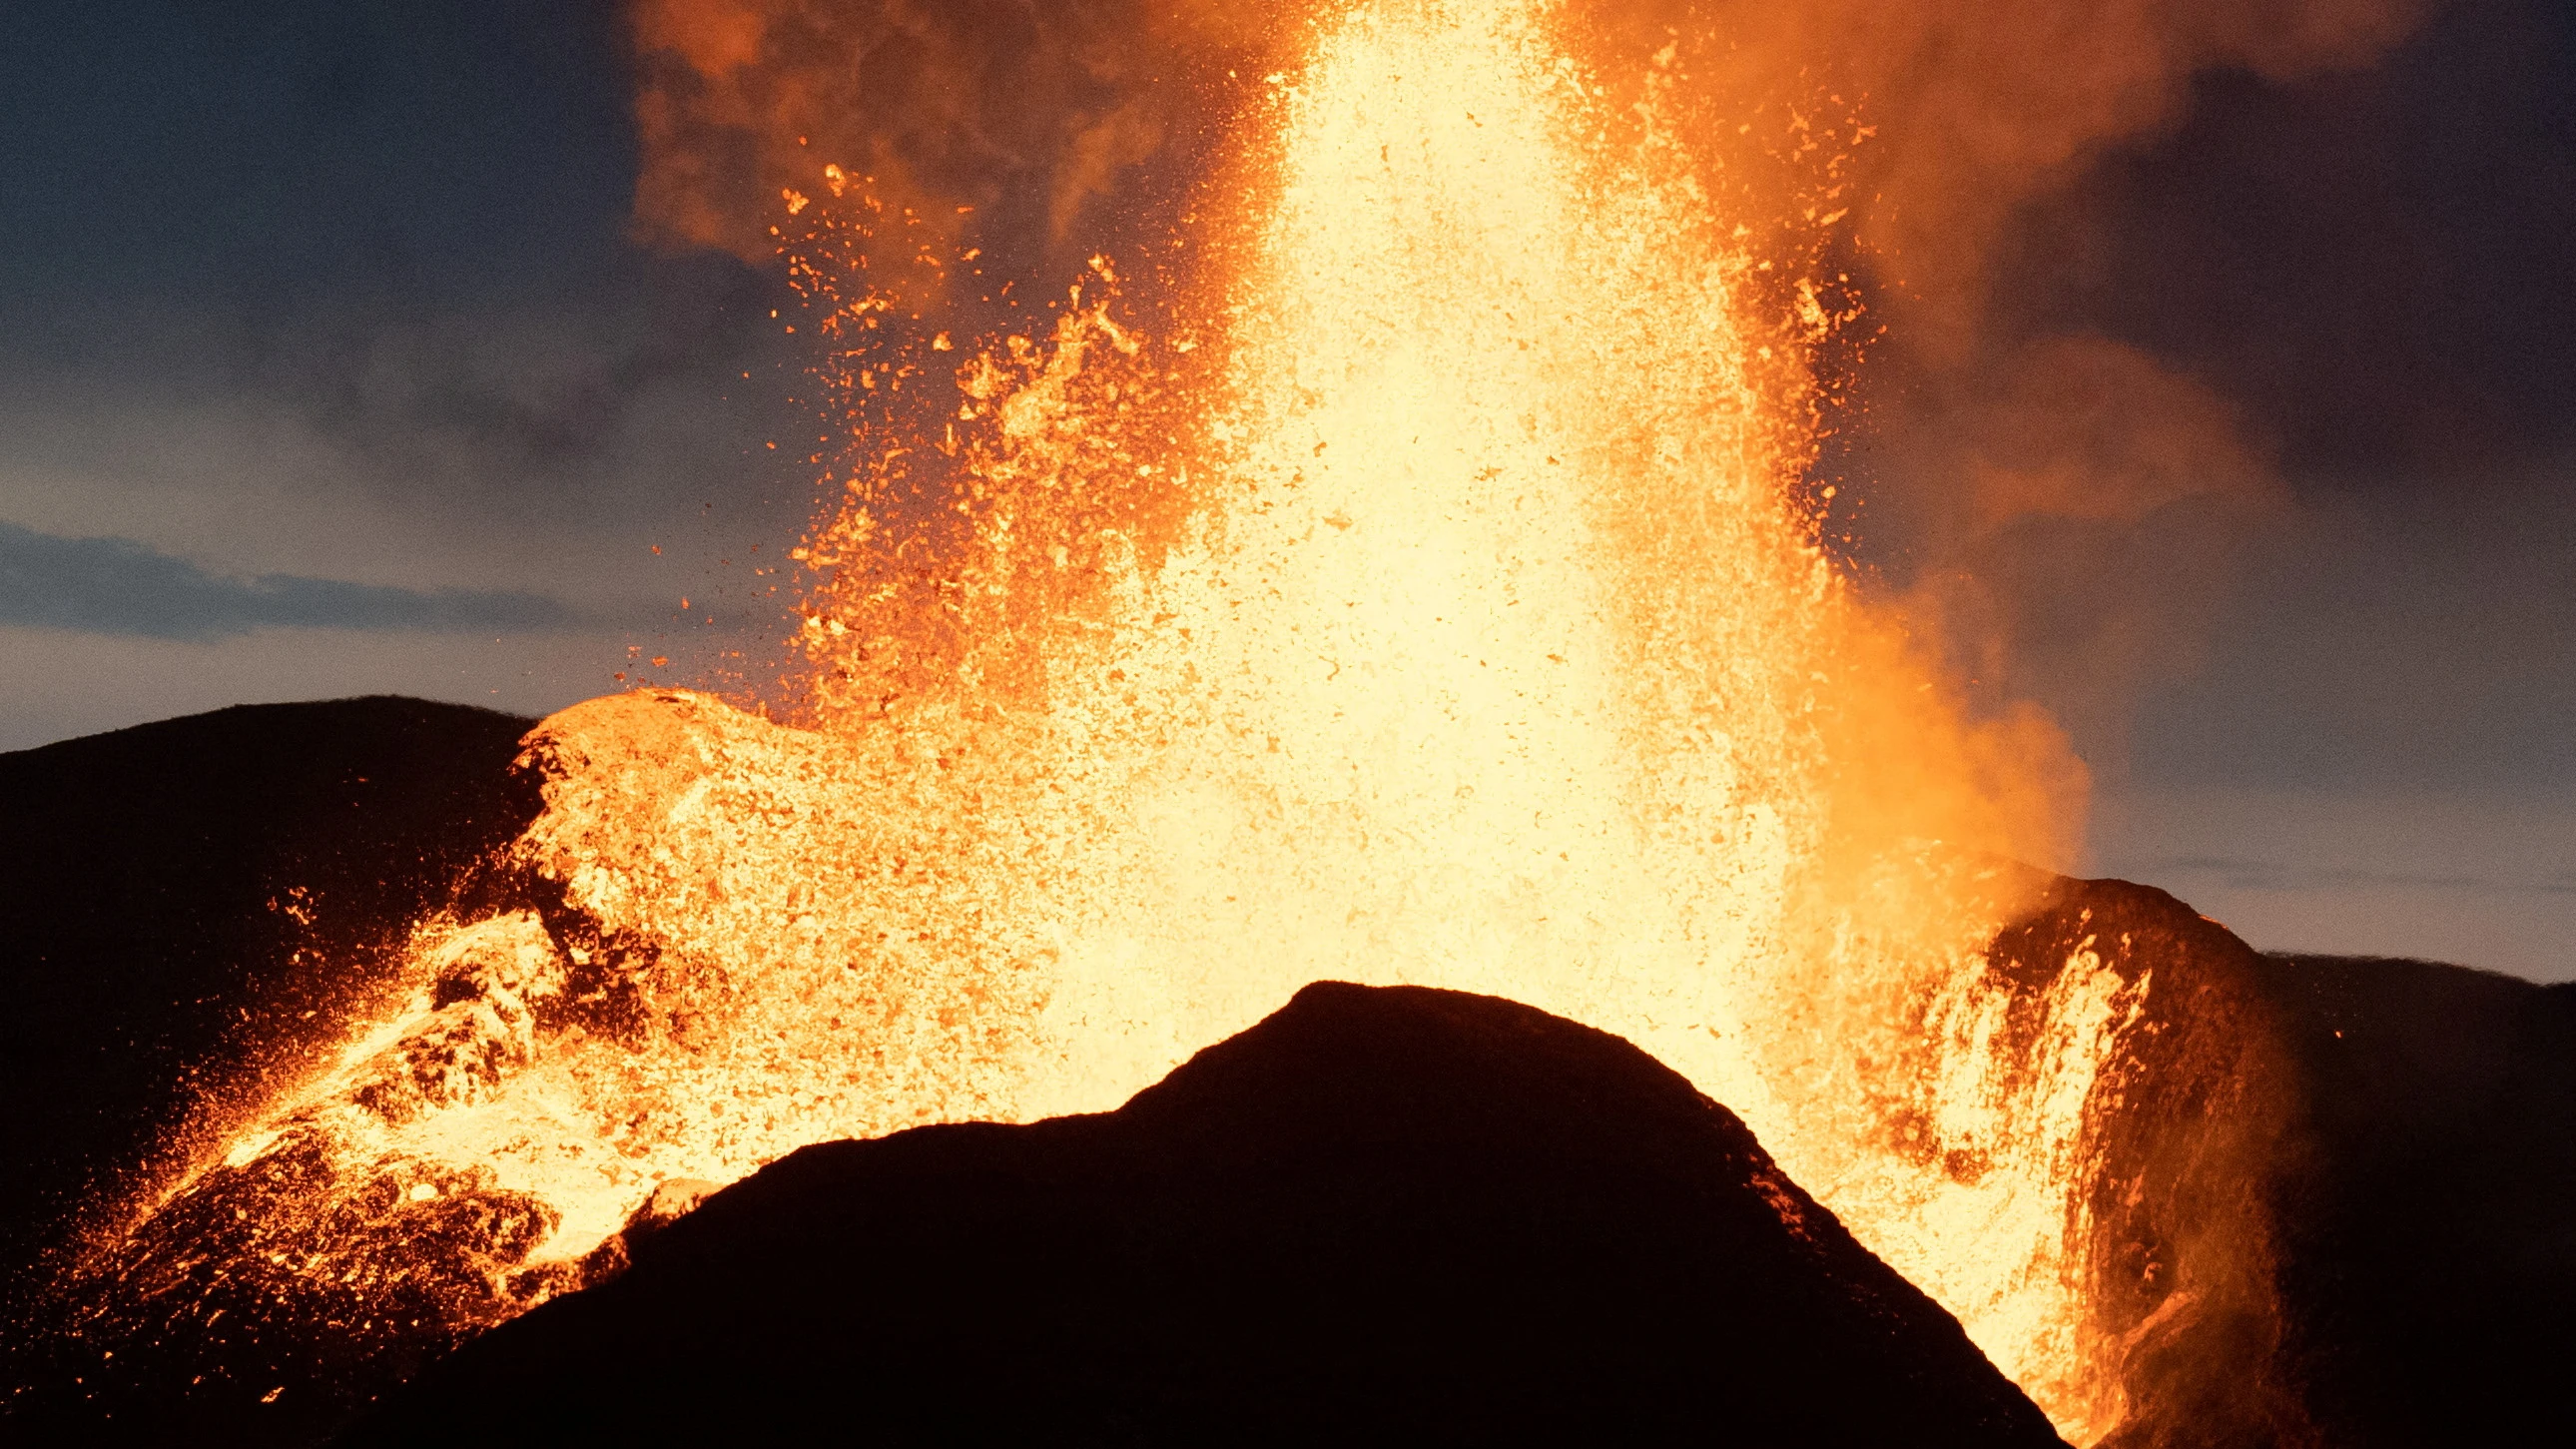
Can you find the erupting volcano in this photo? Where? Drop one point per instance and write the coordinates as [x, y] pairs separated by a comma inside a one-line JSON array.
[[1403, 573]]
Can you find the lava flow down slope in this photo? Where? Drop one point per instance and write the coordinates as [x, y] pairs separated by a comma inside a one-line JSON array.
[[193, 913], [1399, 569]]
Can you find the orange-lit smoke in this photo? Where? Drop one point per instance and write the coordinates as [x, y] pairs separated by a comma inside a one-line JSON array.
[[1980, 107], [2067, 507], [1905, 138], [1970, 111], [1003, 124]]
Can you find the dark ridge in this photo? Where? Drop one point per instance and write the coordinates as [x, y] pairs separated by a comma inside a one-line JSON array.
[[2428, 1207], [1383, 1214], [191, 910], [2331, 1196]]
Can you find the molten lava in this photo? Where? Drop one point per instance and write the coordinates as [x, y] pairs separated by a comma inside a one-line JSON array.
[[1430, 609]]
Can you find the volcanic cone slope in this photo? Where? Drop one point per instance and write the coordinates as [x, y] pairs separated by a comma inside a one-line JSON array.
[[193, 911], [1382, 1213]]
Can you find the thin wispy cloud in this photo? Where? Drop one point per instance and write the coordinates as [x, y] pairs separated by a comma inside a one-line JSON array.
[[2275, 875], [120, 587]]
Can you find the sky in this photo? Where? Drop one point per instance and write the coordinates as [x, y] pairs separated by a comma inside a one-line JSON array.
[[327, 366], [332, 361], [2372, 747]]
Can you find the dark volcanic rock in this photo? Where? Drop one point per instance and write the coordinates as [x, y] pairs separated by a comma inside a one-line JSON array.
[[191, 910], [2326, 1201], [1389, 1214], [2427, 1209]]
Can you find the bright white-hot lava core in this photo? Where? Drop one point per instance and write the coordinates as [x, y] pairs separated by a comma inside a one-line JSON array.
[[1432, 610]]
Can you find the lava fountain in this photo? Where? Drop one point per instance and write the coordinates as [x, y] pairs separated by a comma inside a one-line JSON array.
[[1422, 601]]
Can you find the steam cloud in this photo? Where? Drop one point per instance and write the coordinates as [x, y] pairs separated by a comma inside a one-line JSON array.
[[2057, 510]]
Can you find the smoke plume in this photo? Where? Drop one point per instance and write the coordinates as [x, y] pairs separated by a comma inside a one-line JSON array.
[[2055, 511], [2058, 511], [1002, 123]]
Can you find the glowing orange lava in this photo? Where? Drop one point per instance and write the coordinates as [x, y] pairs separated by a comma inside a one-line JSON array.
[[1437, 616]]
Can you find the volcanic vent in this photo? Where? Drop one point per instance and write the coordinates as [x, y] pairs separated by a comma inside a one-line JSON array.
[[1379, 1213], [1405, 585]]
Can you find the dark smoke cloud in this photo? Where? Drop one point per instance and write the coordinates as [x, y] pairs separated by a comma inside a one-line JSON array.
[[2374, 264], [537, 404]]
